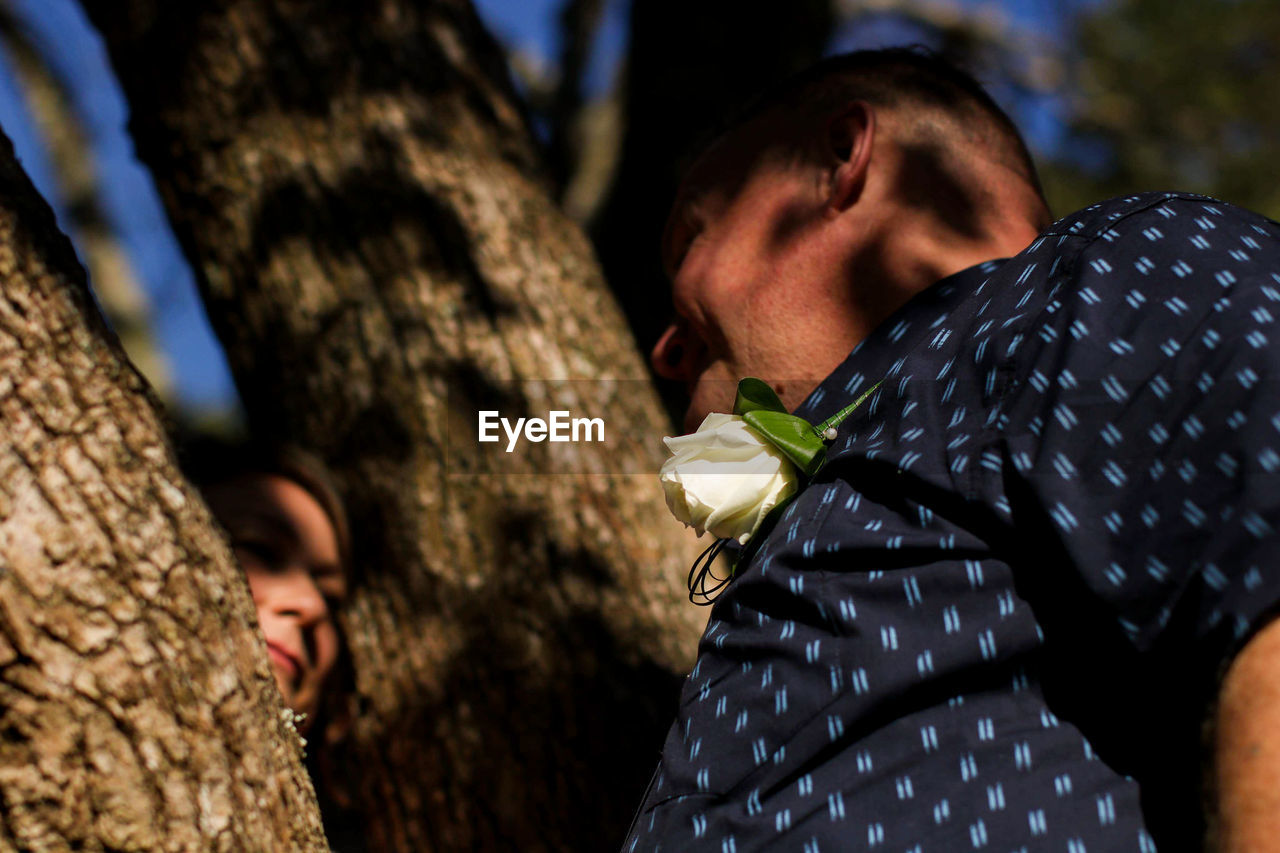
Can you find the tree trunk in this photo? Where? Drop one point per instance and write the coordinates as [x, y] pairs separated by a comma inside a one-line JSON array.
[[359, 193], [137, 708]]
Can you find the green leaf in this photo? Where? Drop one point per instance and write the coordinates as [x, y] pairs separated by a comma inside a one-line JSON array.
[[755, 395], [792, 435]]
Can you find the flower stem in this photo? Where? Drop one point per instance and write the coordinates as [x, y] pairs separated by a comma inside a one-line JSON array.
[[838, 418]]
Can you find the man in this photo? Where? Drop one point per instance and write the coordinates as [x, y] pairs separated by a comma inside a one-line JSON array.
[[1037, 568]]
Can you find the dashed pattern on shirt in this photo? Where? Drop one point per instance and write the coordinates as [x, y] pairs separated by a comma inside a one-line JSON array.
[[994, 619]]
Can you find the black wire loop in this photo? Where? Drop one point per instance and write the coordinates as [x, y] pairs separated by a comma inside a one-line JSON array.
[[700, 575]]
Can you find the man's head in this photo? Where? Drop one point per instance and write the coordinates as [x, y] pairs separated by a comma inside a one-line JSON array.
[[824, 207]]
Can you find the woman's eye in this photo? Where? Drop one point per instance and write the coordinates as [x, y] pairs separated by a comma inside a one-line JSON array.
[[264, 552]]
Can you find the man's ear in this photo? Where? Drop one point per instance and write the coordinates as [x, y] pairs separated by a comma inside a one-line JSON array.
[[849, 136]]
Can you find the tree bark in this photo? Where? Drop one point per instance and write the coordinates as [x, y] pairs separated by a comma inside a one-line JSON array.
[[137, 708], [360, 195]]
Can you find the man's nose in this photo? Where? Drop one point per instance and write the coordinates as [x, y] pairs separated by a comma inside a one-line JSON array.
[[678, 354]]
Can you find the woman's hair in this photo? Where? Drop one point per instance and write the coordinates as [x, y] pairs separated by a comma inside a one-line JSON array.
[[210, 461]]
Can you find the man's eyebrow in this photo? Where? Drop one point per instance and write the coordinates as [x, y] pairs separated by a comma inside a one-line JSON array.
[[668, 235], [691, 198]]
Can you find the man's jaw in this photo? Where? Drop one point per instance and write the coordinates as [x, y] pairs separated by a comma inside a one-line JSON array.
[[719, 395], [709, 394], [698, 411]]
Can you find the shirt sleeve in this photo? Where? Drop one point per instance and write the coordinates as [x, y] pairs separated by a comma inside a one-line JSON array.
[[1142, 450]]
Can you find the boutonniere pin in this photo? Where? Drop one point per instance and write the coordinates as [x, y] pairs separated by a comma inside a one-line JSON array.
[[736, 474]]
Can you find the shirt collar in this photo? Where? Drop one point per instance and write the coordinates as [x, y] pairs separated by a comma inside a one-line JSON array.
[[881, 354]]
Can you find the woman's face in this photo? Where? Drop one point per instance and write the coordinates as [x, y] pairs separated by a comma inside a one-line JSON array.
[[286, 544]]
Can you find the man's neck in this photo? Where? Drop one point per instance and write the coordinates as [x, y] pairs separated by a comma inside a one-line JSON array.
[[913, 251]]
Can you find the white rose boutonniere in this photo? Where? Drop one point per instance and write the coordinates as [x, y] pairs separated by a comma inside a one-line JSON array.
[[738, 470], [726, 478]]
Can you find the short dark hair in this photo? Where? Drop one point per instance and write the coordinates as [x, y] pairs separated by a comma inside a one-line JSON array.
[[911, 76]]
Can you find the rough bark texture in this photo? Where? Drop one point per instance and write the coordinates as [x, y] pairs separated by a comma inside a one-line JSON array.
[[359, 193], [137, 710]]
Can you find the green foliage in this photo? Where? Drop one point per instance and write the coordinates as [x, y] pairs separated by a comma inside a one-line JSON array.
[[1174, 95]]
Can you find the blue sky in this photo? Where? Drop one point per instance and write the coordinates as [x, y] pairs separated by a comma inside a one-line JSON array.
[[196, 361], [74, 50]]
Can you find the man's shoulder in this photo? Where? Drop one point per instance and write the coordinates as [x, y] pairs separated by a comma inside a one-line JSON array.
[[1176, 209], [1157, 245]]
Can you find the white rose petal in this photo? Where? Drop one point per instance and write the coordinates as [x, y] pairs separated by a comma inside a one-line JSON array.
[[725, 477]]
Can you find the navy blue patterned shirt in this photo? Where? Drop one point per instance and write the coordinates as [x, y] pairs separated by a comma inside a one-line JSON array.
[[998, 616]]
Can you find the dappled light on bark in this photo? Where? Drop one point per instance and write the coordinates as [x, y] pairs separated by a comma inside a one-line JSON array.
[[138, 708], [358, 190]]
